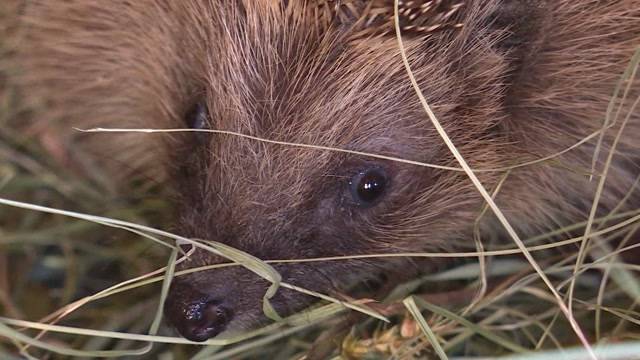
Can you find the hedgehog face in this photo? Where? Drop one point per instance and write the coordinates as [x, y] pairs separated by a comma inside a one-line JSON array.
[[275, 76]]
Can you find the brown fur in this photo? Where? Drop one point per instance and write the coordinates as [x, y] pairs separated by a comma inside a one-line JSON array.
[[521, 79]]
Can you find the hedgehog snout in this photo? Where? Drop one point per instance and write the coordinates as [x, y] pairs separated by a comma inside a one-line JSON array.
[[195, 315]]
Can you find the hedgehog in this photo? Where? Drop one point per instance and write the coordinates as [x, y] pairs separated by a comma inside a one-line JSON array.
[[512, 82]]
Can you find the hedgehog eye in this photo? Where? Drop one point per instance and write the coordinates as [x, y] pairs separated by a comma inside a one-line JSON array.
[[368, 186], [198, 116]]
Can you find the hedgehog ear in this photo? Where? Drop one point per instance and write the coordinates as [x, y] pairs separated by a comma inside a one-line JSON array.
[[522, 21]]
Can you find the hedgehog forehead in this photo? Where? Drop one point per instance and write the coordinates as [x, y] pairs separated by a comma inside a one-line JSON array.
[[265, 52], [322, 93], [283, 80]]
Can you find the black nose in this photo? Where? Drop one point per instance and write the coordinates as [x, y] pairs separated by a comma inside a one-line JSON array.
[[201, 321], [194, 313]]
